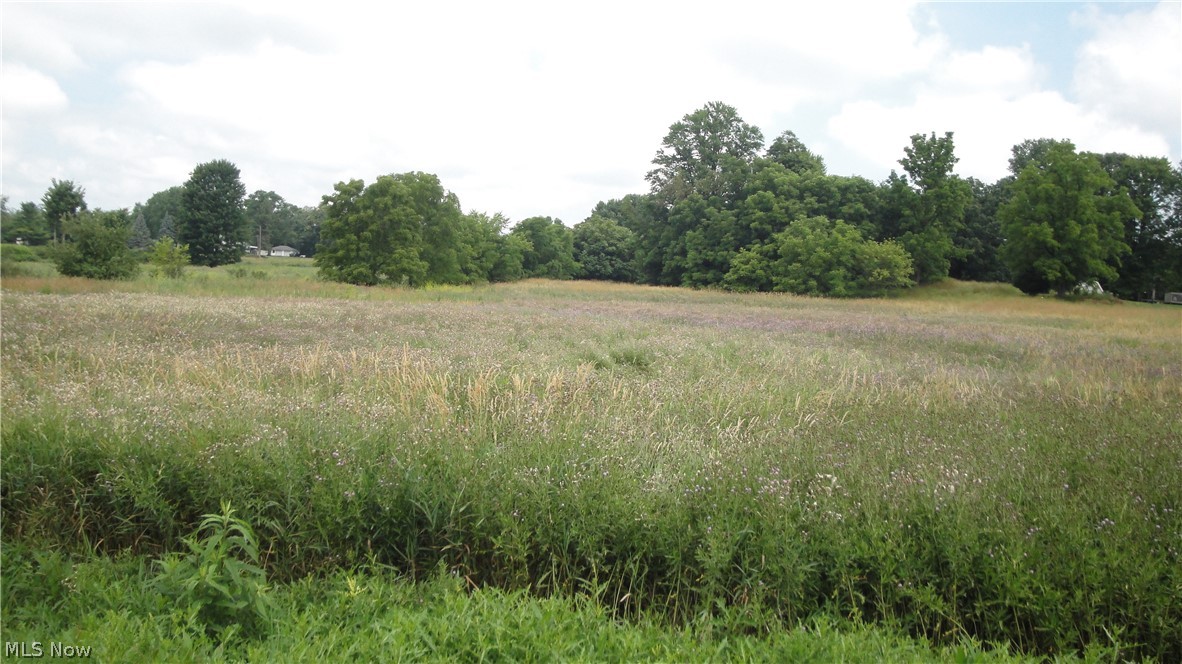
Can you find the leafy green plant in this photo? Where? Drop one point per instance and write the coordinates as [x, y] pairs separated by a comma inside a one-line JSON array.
[[98, 248], [219, 579], [169, 258]]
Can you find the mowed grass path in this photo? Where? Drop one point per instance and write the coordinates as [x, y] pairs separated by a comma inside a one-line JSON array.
[[962, 462]]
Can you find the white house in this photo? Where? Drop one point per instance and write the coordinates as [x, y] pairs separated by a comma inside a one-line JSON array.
[[284, 250]]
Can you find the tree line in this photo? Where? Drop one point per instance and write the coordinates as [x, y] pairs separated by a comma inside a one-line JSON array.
[[722, 210]]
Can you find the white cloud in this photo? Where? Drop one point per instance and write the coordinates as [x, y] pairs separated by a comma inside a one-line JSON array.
[[995, 97], [1003, 71], [27, 90], [985, 126], [1132, 68]]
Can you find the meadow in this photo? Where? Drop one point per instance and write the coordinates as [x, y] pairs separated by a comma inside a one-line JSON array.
[[958, 473]]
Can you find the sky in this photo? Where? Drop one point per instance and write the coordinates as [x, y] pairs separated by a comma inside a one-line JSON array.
[[546, 108]]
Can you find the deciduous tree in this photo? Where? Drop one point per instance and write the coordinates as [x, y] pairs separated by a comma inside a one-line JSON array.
[[96, 247], [551, 248], [605, 249], [213, 214], [708, 152], [1064, 223], [938, 210], [63, 200]]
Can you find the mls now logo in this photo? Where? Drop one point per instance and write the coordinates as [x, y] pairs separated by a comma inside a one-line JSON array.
[[37, 649]]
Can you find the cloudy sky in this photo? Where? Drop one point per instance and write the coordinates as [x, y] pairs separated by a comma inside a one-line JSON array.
[[545, 108]]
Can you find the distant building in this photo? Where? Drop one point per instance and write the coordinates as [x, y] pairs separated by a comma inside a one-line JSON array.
[[284, 251]]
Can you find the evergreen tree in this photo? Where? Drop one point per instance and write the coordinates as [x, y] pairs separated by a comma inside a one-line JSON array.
[[140, 237]]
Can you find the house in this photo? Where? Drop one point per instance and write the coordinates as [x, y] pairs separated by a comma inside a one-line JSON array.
[[284, 250]]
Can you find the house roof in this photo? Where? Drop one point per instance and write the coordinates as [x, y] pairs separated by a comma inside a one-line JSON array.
[[283, 247]]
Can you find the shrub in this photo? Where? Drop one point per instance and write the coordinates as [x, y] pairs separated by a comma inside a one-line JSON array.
[[169, 258], [16, 253], [98, 248], [819, 256]]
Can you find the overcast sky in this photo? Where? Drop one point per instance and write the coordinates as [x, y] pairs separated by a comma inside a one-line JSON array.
[[547, 108]]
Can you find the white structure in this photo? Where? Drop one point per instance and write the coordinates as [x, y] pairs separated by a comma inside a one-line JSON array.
[[284, 251]]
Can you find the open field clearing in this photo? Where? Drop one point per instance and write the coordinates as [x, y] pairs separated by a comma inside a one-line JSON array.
[[959, 463]]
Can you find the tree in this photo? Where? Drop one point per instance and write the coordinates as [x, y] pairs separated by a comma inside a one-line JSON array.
[[708, 152], [63, 200], [641, 214], [551, 248], [979, 238], [820, 256], [1032, 151], [1064, 223], [166, 204], [402, 229], [493, 255], [213, 211], [26, 224], [605, 249], [270, 221], [938, 211], [1154, 263], [371, 235], [168, 227], [97, 247], [308, 220], [168, 258], [139, 238], [790, 152]]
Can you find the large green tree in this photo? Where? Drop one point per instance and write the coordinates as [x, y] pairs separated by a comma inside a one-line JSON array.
[[605, 249], [1154, 263], [494, 255], [1064, 222], [213, 214], [937, 211], [63, 200], [789, 151], [551, 251], [97, 246], [402, 229], [708, 152], [979, 238], [372, 235], [27, 224]]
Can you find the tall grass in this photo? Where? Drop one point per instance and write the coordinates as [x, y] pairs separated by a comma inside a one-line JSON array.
[[1000, 469]]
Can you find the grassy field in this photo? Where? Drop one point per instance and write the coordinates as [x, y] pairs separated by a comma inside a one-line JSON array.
[[957, 473]]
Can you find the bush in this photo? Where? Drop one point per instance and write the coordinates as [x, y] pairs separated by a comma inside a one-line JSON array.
[[98, 248], [819, 256], [16, 253], [169, 258]]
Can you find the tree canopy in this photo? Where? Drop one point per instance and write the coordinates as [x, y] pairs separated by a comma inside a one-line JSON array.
[[213, 214], [63, 200], [1064, 223]]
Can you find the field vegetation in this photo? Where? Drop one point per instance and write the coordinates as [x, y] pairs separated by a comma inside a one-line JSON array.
[[248, 463]]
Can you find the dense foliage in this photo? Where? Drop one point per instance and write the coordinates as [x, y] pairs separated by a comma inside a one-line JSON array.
[[407, 229], [719, 208], [213, 215], [1064, 223], [97, 247]]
